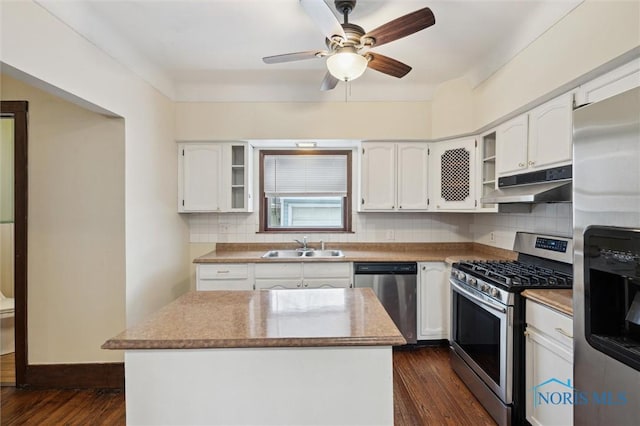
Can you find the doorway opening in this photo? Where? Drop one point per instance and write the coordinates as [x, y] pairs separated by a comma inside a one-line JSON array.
[[13, 242]]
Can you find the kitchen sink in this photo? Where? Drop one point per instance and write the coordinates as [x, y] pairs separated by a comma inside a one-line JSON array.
[[324, 253], [283, 254], [302, 254]]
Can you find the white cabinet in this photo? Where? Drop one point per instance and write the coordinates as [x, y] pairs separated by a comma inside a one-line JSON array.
[[549, 365], [394, 176], [199, 177], [412, 171], [327, 275], [486, 181], [214, 177], [619, 80], [224, 276], [433, 301], [303, 275], [551, 133], [237, 177], [378, 176], [539, 139], [453, 174], [511, 146]]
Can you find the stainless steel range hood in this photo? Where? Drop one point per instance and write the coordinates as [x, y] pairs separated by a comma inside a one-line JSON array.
[[545, 186]]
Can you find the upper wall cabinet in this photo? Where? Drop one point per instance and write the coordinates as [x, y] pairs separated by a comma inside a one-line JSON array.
[[453, 176], [612, 83], [536, 140], [486, 160], [214, 177], [394, 176]]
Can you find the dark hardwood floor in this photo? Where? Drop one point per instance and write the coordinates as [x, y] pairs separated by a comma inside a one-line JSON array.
[[426, 392]]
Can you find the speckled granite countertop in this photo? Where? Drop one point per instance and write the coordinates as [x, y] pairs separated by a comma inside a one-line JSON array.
[[278, 318], [361, 252], [560, 300]]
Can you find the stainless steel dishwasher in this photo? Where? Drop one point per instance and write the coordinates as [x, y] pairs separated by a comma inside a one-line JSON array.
[[395, 285]]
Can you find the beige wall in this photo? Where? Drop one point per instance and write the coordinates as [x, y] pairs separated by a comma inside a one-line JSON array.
[[452, 109], [39, 48], [303, 120], [592, 34], [76, 239]]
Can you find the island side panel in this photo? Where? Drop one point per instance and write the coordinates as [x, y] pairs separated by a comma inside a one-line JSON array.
[[266, 386]]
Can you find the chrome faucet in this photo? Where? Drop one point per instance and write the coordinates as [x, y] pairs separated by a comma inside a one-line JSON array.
[[303, 243]]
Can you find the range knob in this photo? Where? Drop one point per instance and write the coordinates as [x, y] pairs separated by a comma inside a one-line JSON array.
[[472, 281], [484, 288], [495, 292], [460, 275]]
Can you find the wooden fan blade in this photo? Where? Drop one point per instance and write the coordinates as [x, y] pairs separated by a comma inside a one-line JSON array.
[[402, 26], [290, 57], [387, 65], [323, 17], [329, 82]]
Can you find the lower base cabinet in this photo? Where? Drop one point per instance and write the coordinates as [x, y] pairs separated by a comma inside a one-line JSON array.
[[549, 366], [433, 301], [302, 275]]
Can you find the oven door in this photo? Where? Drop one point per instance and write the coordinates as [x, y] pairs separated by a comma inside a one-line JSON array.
[[482, 334]]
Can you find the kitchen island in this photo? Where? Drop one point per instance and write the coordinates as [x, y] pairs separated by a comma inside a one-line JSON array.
[[262, 357]]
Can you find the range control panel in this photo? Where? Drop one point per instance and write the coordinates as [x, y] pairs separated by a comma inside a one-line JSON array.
[[551, 244]]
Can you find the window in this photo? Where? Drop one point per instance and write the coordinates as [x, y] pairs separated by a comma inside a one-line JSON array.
[[305, 191]]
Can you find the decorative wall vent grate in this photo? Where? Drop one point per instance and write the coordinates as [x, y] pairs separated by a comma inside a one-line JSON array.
[[455, 174]]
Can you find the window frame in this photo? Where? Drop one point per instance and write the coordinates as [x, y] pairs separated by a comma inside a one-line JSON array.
[[348, 201]]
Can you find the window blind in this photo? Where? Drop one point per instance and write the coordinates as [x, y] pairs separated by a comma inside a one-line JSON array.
[[299, 175]]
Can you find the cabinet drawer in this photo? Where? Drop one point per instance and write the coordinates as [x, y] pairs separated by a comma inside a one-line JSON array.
[[552, 323], [223, 272], [278, 270], [326, 269]]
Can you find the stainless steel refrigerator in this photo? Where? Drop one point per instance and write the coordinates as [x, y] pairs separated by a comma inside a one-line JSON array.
[[606, 302]]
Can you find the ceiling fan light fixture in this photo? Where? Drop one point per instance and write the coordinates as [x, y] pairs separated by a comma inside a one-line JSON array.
[[347, 64]]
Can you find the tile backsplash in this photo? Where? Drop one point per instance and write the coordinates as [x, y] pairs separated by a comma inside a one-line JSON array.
[[495, 229], [499, 229], [367, 227]]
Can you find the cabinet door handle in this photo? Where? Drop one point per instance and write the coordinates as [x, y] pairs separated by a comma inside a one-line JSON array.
[[299, 284], [531, 163], [223, 272], [520, 164], [564, 333]]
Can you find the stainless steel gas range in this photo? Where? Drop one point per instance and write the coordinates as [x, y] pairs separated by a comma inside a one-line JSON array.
[[488, 319]]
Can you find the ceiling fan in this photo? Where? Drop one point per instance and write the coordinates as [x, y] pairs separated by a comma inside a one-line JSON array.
[[348, 53]]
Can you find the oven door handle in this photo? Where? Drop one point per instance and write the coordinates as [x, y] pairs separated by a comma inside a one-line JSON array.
[[481, 301]]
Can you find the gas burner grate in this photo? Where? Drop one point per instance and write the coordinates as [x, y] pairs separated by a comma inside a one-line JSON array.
[[517, 274]]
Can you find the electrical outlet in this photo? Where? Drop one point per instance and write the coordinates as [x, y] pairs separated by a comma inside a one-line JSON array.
[[492, 236], [390, 236]]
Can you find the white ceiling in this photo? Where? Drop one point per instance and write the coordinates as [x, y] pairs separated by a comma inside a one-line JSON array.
[[211, 50]]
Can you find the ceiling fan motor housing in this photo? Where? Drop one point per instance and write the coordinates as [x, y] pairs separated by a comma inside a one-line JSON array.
[[354, 33]]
